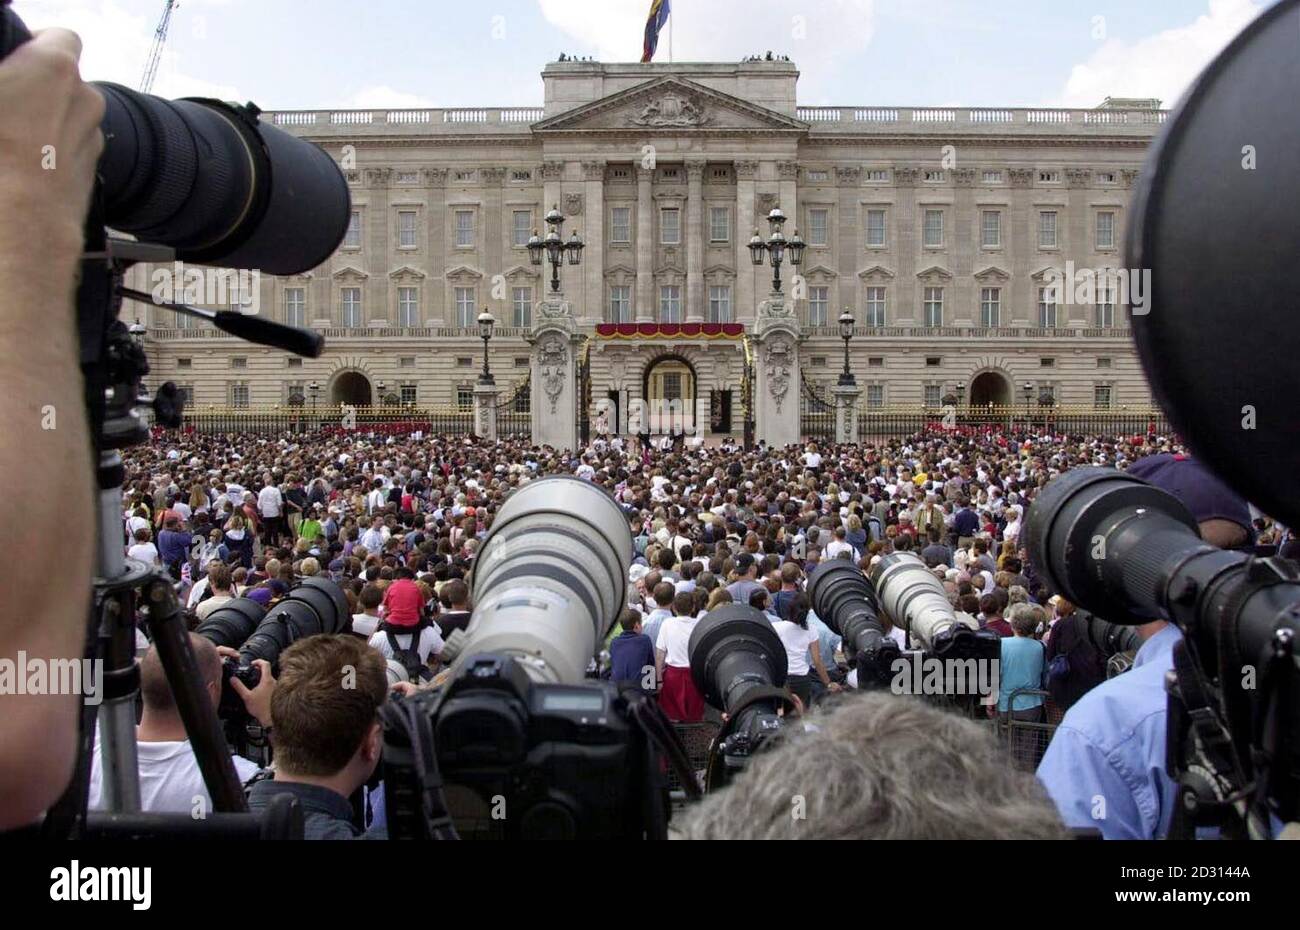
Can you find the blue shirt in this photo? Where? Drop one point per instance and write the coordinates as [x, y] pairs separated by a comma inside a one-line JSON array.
[[965, 522], [827, 642], [1021, 667], [629, 655], [1105, 766]]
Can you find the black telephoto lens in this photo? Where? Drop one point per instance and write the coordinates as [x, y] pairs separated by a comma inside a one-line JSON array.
[[845, 601], [232, 623]]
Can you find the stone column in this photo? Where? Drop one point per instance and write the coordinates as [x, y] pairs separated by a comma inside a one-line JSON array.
[[695, 237], [553, 373], [745, 309], [846, 412], [776, 374], [644, 247], [485, 411], [592, 224]]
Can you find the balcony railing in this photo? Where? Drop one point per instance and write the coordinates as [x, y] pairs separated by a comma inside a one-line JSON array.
[[978, 332], [982, 118], [855, 118], [359, 332]]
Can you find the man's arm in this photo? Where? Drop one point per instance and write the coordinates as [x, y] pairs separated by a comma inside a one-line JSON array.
[[1087, 788], [51, 118]]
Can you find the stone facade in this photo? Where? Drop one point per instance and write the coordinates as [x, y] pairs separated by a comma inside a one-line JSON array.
[[924, 222]]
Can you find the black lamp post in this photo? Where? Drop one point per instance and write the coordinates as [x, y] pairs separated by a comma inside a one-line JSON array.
[[554, 248], [846, 333], [776, 247], [961, 395], [380, 385], [314, 388], [486, 322], [1028, 389]]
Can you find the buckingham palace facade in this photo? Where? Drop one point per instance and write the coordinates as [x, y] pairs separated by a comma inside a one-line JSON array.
[[938, 229]]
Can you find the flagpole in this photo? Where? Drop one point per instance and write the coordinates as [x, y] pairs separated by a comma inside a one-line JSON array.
[[670, 35]]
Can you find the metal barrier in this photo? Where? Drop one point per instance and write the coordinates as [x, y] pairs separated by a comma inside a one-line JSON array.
[[1025, 741], [697, 738]]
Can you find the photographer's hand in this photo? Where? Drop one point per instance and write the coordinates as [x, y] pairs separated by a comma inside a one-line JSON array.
[[49, 143], [258, 700]]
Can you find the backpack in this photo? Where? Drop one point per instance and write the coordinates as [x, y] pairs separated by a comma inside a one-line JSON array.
[[409, 658]]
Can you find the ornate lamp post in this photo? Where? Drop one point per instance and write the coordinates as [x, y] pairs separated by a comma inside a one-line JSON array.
[[776, 247], [486, 322], [1028, 389], [380, 386], [138, 331], [846, 333], [314, 389], [554, 248]]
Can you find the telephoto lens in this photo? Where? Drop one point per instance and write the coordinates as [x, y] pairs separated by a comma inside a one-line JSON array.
[[316, 605], [232, 623], [845, 601], [739, 664], [916, 600], [1110, 638], [550, 578]]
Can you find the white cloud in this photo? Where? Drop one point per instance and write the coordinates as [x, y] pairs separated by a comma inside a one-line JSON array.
[[116, 43], [1162, 65], [817, 37]]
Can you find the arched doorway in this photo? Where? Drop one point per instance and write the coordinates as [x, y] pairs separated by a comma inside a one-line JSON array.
[[350, 387], [990, 387], [669, 391]]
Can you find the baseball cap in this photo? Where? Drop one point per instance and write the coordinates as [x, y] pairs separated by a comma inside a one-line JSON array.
[[745, 561], [1200, 491]]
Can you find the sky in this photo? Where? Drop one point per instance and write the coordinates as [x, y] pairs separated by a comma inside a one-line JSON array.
[[340, 54]]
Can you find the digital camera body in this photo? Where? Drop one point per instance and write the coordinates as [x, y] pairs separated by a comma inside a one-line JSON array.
[[523, 760]]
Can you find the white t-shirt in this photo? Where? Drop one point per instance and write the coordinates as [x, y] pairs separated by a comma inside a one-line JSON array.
[[366, 625], [170, 780], [135, 523], [674, 637], [812, 459], [430, 642], [797, 641], [837, 546], [269, 501], [144, 552], [211, 604]]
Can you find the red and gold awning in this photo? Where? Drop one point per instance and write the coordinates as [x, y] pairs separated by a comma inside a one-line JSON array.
[[670, 330]]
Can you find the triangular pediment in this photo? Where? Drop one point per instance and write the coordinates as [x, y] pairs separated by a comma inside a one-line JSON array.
[[463, 272], [670, 105], [993, 273], [936, 271], [820, 271], [876, 271], [1044, 273], [350, 271], [406, 271]]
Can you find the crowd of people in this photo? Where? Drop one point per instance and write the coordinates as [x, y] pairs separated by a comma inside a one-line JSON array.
[[396, 520]]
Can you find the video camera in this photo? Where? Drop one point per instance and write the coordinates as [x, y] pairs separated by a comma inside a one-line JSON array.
[[1132, 553], [514, 742]]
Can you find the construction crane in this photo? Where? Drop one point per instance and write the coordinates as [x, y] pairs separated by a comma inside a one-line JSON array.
[[159, 39]]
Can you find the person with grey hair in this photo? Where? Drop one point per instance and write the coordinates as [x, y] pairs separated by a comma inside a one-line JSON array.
[[1023, 661], [1016, 594], [879, 766]]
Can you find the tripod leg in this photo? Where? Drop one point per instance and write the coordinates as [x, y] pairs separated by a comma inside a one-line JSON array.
[[172, 641]]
